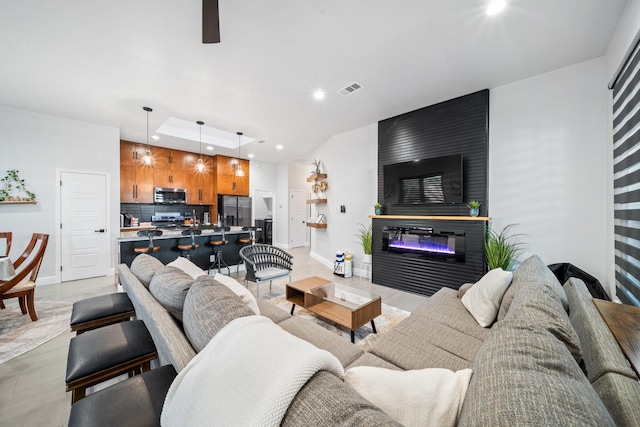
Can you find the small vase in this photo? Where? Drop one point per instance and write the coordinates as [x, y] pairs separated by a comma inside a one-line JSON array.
[[378, 211], [474, 211]]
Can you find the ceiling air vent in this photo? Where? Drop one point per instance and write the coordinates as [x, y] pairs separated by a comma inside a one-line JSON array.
[[353, 87]]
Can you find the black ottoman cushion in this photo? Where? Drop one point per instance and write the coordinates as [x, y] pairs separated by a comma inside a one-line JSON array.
[[106, 348], [134, 402], [101, 310]]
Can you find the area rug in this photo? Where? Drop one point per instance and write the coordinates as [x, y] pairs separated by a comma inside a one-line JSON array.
[[18, 334], [364, 337]]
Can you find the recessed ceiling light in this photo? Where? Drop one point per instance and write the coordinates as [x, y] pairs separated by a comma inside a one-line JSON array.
[[319, 94], [156, 137], [495, 7], [210, 147], [250, 156], [279, 147]]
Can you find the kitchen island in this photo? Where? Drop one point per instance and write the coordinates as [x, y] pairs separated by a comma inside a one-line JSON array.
[[170, 239]]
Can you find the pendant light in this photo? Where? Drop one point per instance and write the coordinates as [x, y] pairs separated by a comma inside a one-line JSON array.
[[200, 165], [239, 171], [147, 159]]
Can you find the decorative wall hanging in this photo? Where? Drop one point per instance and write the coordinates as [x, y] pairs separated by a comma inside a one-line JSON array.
[[7, 192]]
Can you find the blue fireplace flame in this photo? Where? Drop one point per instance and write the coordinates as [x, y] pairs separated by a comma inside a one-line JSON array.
[[422, 245]]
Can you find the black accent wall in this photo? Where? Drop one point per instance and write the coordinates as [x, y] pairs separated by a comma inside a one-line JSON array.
[[460, 125]]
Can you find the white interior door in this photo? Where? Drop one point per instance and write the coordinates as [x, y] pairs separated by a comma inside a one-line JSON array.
[[84, 241], [298, 225]]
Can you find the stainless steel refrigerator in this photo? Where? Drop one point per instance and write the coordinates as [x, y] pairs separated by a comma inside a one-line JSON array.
[[235, 210]]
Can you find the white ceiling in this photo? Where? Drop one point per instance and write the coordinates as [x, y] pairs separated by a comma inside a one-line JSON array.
[[101, 61]]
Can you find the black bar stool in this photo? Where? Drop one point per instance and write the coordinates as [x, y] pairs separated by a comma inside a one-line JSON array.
[[136, 401], [217, 250], [103, 310], [190, 246], [106, 353], [150, 234], [244, 241]]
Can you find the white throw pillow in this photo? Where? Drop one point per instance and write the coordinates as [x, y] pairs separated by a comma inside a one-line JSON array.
[[482, 300], [247, 297], [188, 267], [424, 397]]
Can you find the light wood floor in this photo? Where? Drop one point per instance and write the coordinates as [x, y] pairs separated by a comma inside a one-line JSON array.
[[32, 387]]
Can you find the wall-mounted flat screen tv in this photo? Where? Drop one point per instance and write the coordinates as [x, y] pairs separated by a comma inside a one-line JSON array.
[[424, 181]]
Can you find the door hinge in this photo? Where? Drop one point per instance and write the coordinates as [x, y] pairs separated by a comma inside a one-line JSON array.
[[60, 226], [60, 268], [60, 183]]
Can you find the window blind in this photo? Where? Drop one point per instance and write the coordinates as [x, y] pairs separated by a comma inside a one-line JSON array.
[[626, 179]]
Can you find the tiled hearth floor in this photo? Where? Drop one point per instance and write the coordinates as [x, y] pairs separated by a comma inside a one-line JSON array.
[[32, 388]]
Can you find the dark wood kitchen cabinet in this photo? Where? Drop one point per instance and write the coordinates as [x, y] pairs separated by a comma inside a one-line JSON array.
[[200, 190], [177, 169], [226, 180], [136, 178], [170, 168]]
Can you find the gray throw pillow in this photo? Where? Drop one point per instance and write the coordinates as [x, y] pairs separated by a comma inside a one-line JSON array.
[[532, 272], [523, 375], [209, 306], [169, 287], [144, 267], [540, 308]]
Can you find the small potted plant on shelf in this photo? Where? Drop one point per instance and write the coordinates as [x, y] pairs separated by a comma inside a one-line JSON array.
[[378, 208], [365, 236], [474, 207]]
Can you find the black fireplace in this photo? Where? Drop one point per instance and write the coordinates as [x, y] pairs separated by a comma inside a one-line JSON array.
[[425, 242]]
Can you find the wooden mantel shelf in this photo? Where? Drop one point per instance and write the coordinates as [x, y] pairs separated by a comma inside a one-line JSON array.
[[440, 218]]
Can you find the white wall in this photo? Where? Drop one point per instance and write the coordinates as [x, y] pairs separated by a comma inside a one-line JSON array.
[[351, 163], [548, 145], [627, 28], [263, 176], [281, 207], [37, 145], [263, 182]]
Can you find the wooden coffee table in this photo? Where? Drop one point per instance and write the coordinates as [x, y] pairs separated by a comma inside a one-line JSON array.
[[319, 296]]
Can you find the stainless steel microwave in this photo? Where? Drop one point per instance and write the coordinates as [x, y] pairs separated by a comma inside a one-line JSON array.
[[170, 196]]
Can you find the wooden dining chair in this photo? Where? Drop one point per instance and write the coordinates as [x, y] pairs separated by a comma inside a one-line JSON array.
[[6, 235], [24, 290]]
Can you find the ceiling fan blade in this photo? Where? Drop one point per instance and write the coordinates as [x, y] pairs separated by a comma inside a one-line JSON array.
[[210, 22]]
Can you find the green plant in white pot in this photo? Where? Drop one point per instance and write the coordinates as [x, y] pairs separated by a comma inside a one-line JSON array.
[[365, 237], [502, 249]]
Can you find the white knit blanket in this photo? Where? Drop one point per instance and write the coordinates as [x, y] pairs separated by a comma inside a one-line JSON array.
[[247, 375]]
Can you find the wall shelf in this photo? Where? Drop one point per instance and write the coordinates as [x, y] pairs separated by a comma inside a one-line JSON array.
[[317, 176], [438, 217], [28, 202], [314, 225], [314, 201]]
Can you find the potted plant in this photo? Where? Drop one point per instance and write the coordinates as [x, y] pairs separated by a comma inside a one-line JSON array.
[[365, 236], [378, 208], [474, 207], [501, 249]]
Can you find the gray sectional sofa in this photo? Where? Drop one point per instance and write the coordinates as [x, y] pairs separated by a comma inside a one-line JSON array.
[[549, 359]]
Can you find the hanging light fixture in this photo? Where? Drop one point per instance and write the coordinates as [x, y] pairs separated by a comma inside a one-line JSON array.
[[200, 165], [147, 159], [239, 171]]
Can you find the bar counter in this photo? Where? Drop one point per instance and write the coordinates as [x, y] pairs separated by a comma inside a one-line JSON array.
[[168, 243]]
